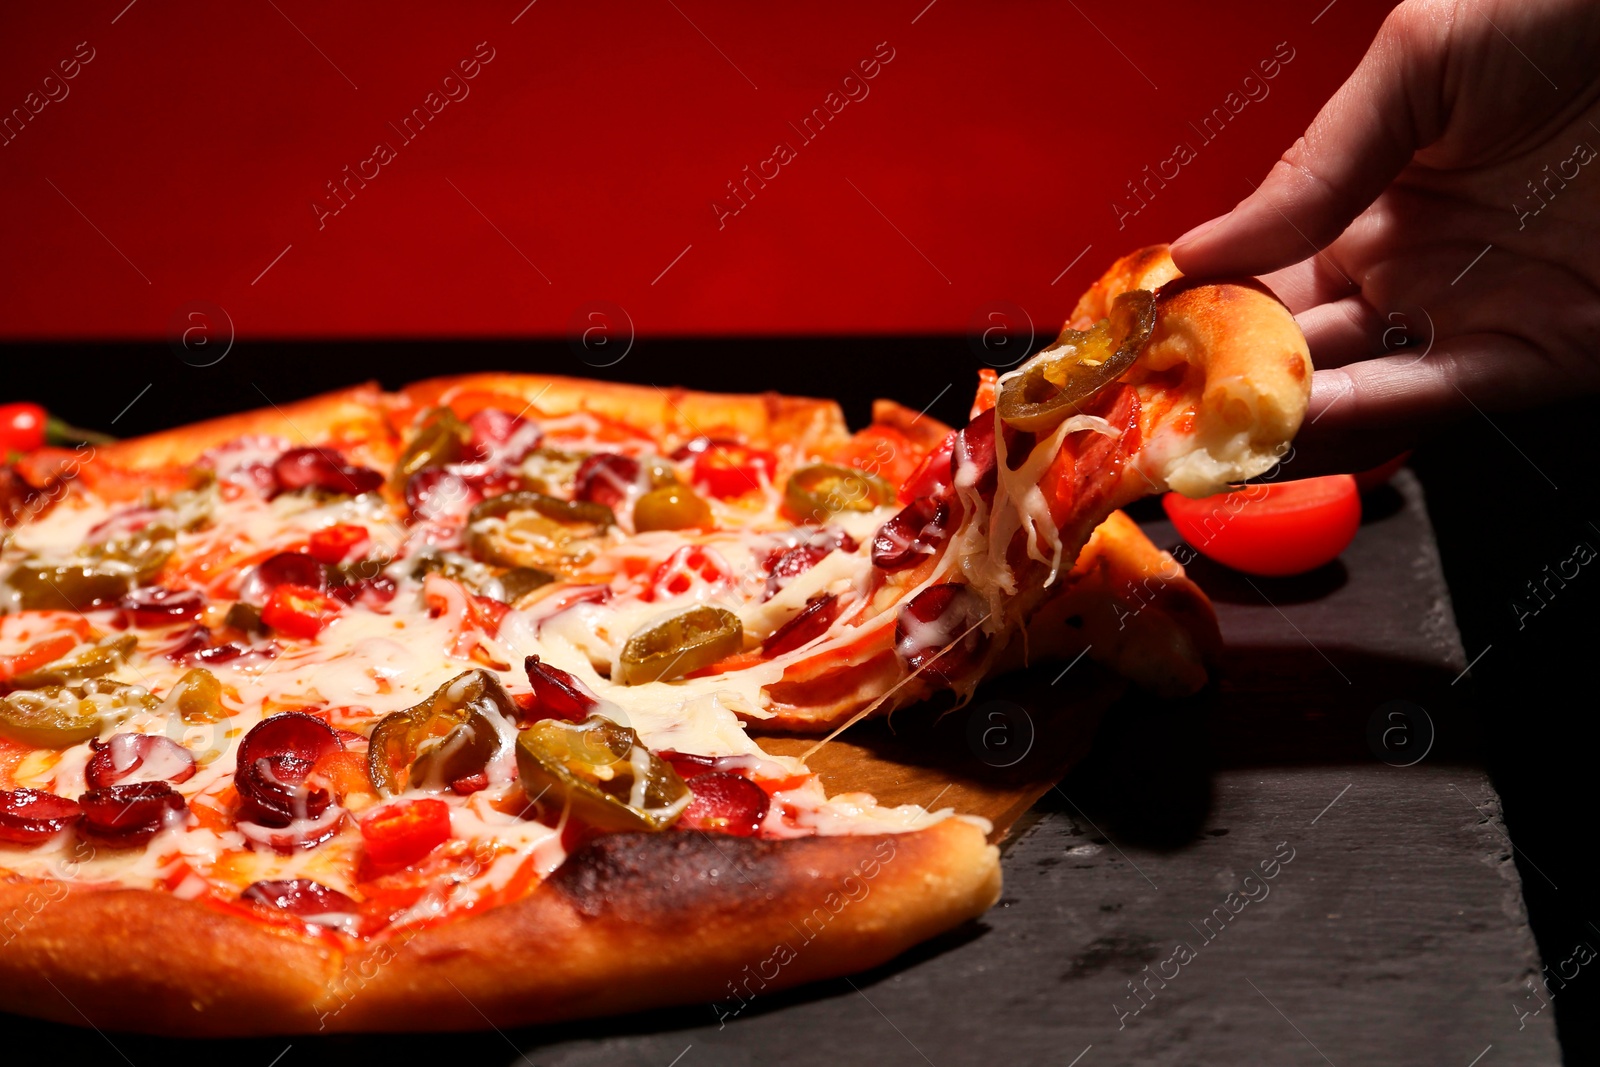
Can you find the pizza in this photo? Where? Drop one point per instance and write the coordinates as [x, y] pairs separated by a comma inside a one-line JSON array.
[[455, 706]]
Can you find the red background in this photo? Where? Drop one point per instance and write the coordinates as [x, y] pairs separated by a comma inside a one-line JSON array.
[[994, 142]]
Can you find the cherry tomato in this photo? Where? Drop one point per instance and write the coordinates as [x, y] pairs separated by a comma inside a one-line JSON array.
[[21, 427], [299, 611], [1272, 529], [726, 470], [397, 835], [1368, 480], [332, 544]]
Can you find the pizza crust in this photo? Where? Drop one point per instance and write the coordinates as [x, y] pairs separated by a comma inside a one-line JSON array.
[[1242, 359], [353, 417], [765, 420], [630, 921]]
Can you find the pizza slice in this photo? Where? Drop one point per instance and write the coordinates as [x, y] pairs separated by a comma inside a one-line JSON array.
[[443, 707]]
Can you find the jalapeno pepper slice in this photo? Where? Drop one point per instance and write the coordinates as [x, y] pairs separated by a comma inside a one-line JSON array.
[[602, 772], [87, 661], [823, 489], [57, 716], [524, 528], [447, 737], [1054, 383], [442, 438], [686, 642]]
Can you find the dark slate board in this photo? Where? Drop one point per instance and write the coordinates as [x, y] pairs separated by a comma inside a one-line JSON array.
[[1395, 933]]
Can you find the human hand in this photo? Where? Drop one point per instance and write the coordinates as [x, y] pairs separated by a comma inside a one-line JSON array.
[[1446, 199]]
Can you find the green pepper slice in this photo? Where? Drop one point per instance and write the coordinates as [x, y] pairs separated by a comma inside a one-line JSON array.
[[58, 716], [65, 586], [1054, 383], [823, 489], [573, 511], [697, 638], [198, 696], [90, 661], [447, 737], [525, 528], [599, 768], [441, 439], [520, 581], [143, 550]]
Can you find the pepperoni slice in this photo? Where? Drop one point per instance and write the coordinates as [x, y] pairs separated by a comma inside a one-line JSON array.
[[435, 493], [285, 568], [140, 757], [932, 620], [322, 468], [725, 803], [502, 437], [274, 760], [128, 816], [605, 478], [784, 564], [811, 623], [28, 816], [299, 896], [972, 461], [934, 474], [155, 606], [557, 694], [919, 530]]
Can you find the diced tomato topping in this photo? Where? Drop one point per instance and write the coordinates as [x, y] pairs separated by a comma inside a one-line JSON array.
[[687, 567], [487, 613], [333, 544], [299, 611], [36, 655], [398, 835], [343, 773], [727, 665], [780, 785], [727, 470]]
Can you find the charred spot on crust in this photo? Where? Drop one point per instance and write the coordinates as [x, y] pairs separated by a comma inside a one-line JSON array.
[[641, 876], [1297, 367]]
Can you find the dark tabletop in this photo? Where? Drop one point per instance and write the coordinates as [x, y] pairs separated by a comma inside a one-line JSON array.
[[1304, 865]]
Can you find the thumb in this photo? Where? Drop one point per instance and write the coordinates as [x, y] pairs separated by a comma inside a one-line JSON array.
[[1362, 138]]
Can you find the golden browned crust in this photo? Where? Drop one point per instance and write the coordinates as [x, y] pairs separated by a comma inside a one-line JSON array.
[[630, 921], [922, 429], [670, 413], [1133, 607], [353, 417], [1245, 362]]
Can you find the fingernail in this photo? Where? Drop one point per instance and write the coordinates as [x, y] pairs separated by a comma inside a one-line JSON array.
[[1198, 231]]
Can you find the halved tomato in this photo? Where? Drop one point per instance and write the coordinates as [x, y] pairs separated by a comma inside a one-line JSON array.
[[1272, 530]]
